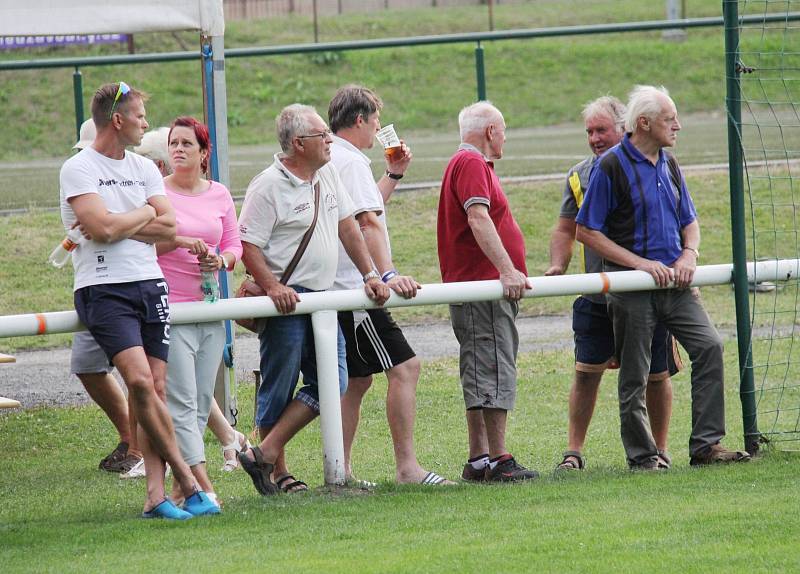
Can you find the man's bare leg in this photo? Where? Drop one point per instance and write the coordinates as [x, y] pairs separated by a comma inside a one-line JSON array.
[[659, 409], [134, 426], [401, 409], [357, 387], [495, 421], [145, 377], [106, 392], [582, 400], [280, 468], [476, 433], [296, 416]]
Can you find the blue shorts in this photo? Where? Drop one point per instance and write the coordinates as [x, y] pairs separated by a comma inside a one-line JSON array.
[[594, 342], [287, 350], [124, 315]]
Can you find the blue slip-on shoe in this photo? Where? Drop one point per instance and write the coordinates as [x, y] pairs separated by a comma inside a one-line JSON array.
[[199, 504], [167, 510]]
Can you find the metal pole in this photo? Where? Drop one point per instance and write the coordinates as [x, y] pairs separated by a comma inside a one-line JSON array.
[[325, 327], [738, 237], [77, 90], [208, 104], [316, 24], [215, 111], [673, 13], [433, 294], [480, 74]]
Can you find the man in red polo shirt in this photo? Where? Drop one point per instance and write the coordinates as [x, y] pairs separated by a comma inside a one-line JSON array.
[[478, 240]]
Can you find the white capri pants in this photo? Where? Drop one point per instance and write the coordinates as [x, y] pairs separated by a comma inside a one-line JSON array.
[[194, 356]]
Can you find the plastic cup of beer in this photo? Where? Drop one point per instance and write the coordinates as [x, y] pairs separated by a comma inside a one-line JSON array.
[[390, 142]]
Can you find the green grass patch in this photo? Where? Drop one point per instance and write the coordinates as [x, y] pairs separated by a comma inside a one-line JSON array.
[[29, 238], [537, 82], [60, 514]]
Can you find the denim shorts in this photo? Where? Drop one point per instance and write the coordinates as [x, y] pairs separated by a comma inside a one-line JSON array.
[[287, 349], [594, 342], [124, 315]]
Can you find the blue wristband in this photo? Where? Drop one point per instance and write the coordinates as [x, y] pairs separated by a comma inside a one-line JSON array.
[[388, 275]]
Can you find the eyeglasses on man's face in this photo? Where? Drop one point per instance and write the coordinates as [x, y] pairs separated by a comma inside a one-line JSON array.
[[123, 90], [323, 135]]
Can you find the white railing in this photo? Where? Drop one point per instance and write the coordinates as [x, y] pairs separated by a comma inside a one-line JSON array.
[[323, 306]]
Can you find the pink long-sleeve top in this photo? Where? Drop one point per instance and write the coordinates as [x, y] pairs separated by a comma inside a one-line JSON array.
[[211, 216]]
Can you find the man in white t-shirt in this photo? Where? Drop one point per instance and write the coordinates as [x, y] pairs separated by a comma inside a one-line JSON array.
[[375, 343], [90, 364], [279, 207], [116, 198]]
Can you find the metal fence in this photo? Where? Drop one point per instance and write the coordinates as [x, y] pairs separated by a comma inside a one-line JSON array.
[[260, 9]]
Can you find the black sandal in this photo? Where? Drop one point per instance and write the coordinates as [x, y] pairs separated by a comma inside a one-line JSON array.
[[572, 461], [258, 470], [290, 485]]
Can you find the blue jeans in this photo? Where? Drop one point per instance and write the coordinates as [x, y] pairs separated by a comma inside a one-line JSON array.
[[287, 349]]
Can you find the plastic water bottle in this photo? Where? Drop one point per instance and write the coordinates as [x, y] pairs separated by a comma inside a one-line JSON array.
[[209, 286], [60, 255]]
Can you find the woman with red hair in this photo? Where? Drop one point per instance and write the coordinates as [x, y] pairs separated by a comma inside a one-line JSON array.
[[207, 241]]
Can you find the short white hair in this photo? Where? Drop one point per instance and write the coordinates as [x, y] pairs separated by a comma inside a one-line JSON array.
[[476, 117], [291, 122], [155, 145], [607, 106], [647, 101]]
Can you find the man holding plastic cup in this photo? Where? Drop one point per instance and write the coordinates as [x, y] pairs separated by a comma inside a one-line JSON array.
[[375, 343]]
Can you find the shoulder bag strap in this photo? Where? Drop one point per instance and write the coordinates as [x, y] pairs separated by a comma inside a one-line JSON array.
[[304, 241]]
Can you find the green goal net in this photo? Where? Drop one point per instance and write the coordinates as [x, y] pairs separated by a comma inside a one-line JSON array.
[[763, 51]]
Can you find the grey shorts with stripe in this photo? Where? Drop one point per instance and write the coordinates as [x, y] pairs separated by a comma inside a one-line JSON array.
[[488, 340]]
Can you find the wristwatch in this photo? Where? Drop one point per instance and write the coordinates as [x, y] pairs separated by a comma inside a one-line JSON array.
[[371, 275], [394, 176], [693, 250]]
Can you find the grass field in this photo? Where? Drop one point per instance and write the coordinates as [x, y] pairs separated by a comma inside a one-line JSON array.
[[412, 225], [537, 82], [60, 514], [528, 151]]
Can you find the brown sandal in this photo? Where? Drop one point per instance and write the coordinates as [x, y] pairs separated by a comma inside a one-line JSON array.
[[718, 454], [572, 461], [290, 485], [258, 470]]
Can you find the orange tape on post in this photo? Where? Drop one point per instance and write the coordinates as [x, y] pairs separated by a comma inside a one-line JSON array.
[[606, 283], [40, 318]]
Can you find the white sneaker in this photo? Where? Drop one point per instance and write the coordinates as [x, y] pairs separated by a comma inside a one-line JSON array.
[[136, 472]]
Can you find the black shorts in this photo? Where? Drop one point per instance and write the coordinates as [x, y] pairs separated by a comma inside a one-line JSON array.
[[124, 315], [375, 345]]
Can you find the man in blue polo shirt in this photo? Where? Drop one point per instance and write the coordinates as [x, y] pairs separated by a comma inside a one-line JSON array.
[[638, 214]]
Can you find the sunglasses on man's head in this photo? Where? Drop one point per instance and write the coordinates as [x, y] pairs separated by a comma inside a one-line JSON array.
[[121, 91]]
